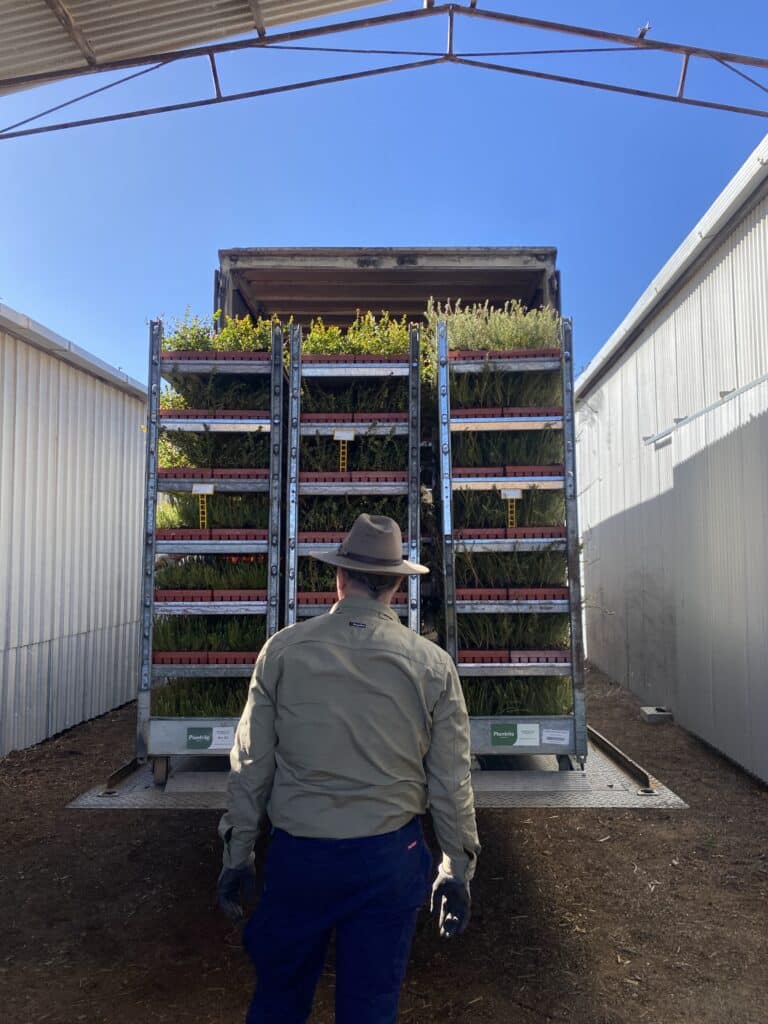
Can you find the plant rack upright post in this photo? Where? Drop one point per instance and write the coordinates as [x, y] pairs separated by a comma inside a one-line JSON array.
[[160, 738]]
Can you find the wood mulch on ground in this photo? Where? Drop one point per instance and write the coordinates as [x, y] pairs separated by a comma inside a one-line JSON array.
[[583, 916]]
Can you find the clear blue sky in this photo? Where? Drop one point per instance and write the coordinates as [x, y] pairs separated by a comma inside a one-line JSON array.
[[106, 227]]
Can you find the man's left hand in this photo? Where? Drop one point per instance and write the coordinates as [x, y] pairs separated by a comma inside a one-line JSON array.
[[236, 885]]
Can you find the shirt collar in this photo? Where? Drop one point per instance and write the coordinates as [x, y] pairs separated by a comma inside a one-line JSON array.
[[365, 606]]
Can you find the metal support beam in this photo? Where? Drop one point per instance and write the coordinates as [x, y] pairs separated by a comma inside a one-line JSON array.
[[574, 556], [275, 482], [258, 17], [73, 30], [294, 446], [414, 475], [683, 76], [446, 488], [215, 74], [148, 562]]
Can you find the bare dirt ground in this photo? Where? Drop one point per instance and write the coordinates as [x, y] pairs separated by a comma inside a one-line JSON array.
[[589, 917]]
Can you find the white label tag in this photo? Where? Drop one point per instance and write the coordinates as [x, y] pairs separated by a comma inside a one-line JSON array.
[[223, 737], [556, 737], [203, 488], [527, 735]]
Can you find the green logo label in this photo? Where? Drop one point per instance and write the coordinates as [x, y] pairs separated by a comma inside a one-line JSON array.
[[504, 735], [199, 739]]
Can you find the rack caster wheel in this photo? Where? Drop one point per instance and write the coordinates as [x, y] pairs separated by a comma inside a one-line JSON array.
[[160, 769]]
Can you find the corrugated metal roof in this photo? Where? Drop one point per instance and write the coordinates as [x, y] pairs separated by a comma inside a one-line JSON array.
[[742, 190], [26, 329], [34, 41]]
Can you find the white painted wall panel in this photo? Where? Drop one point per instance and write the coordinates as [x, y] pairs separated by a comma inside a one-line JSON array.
[[674, 534], [71, 491]]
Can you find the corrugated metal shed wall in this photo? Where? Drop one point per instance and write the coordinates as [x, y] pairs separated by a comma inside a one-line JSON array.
[[675, 549], [71, 488]]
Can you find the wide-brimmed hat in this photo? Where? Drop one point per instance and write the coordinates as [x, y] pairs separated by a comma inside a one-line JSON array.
[[374, 544]]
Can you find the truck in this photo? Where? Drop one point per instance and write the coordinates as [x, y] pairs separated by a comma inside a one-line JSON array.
[[431, 384]]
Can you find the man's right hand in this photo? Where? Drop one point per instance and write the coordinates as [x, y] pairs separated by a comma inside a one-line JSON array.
[[236, 885], [451, 903]]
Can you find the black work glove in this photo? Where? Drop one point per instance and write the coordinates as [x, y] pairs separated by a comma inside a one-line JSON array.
[[451, 902], [236, 885]]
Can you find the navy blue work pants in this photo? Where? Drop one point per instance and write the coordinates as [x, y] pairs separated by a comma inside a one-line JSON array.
[[369, 891]]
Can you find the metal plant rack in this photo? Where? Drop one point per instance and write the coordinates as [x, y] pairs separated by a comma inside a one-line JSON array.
[[160, 738], [564, 736], [405, 482]]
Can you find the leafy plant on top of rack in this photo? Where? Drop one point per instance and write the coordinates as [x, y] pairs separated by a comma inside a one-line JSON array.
[[366, 335], [235, 334], [481, 326], [200, 698], [225, 511], [487, 696], [214, 572], [208, 632]]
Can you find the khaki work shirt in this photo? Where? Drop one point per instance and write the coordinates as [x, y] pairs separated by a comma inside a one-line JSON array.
[[354, 724]]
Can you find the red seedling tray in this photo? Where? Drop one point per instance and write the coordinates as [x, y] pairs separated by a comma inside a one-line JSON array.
[[327, 417], [323, 476], [515, 353], [477, 657], [317, 597], [518, 411], [185, 474], [477, 414], [183, 595], [480, 533], [185, 414], [538, 657], [481, 593], [180, 658], [462, 471], [371, 358], [545, 532], [538, 593], [381, 477], [187, 354], [331, 357], [380, 417], [321, 538], [252, 355], [239, 474], [240, 414], [170, 534], [534, 470], [230, 533], [239, 595], [232, 657]]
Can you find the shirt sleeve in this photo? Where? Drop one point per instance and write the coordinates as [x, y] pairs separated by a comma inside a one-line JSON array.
[[449, 781], [252, 762]]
